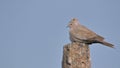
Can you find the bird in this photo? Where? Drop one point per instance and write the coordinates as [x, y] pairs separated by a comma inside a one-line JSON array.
[[81, 34]]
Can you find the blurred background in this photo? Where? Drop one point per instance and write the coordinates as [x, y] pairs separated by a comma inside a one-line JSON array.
[[33, 32]]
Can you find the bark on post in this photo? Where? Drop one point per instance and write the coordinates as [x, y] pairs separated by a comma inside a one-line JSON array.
[[76, 56]]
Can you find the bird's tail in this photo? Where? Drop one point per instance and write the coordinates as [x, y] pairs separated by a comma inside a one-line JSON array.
[[107, 44]]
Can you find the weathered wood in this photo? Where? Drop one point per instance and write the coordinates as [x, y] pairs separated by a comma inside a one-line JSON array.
[[76, 56]]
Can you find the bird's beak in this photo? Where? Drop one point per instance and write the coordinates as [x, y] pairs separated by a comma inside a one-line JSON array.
[[67, 26]]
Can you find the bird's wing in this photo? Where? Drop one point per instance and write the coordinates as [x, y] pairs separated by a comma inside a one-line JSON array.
[[86, 33]]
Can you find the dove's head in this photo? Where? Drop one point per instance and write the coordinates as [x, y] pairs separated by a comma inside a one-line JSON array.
[[73, 23]]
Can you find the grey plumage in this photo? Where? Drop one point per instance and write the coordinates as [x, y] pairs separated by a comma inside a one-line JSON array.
[[81, 34]]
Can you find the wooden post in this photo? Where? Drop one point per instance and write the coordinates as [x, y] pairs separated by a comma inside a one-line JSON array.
[[76, 56]]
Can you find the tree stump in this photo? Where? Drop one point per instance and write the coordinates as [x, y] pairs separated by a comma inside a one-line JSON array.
[[76, 56]]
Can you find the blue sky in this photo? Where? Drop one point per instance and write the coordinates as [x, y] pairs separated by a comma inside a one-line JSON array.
[[33, 32]]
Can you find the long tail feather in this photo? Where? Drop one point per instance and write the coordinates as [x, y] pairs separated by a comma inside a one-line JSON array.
[[107, 44]]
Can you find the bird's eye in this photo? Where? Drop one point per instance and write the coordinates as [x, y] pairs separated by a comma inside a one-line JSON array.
[[70, 24]]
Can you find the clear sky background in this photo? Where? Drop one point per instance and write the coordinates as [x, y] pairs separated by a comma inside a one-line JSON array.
[[33, 32]]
